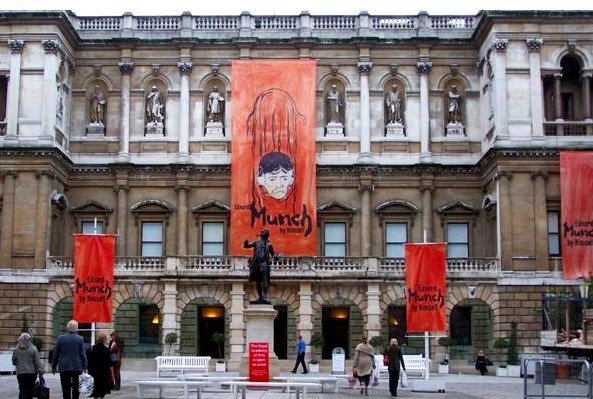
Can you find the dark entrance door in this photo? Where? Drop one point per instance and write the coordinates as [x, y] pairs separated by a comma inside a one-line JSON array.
[[335, 329], [210, 320], [281, 331]]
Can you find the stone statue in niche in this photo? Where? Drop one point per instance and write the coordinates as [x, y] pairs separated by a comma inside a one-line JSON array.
[[454, 125], [154, 112], [334, 107]]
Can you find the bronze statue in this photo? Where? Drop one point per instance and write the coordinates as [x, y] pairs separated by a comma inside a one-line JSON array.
[[259, 265]]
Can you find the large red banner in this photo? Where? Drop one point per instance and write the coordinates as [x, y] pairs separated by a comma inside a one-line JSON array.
[[576, 187], [94, 257], [426, 287], [273, 155]]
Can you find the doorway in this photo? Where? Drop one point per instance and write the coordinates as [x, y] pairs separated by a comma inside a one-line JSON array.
[[335, 328], [210, 321], [281, 331]]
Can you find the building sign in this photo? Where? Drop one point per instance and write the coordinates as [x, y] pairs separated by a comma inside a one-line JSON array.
[[426, 287], [94, 257], [273, 176], [259, 362], [576, 222]]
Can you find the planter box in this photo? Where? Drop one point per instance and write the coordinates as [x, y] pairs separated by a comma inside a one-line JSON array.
[[513, 371], [220, 367], [443, 369], [501, 371], [313, 367]]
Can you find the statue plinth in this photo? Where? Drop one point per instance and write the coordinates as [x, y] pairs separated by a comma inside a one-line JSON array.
[[95, 129], [155, 128], [334, 129], [394, 129], [214, 129], [455, 129], [259, 320]]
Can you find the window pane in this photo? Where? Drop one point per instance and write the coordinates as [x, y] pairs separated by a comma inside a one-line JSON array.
[[457, 251], [88, 227], [335, 250], [152, 249], [152, 231], [457, 232], [553, 234], [335, 239], [213, 239], [212, 249], [396, 235]]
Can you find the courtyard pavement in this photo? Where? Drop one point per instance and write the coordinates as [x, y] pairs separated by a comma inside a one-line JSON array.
[[457, 386]]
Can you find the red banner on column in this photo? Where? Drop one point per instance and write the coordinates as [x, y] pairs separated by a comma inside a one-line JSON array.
[[94, 257], [259, 362], [426, 287], [273, 158], [576, 227]]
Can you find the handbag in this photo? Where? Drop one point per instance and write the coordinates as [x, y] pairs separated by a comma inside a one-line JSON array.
[[40, 390], [404, 378], [375, 380], [85, 383]]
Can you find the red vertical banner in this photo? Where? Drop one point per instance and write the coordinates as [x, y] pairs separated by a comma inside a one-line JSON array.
[[94, 257], [273, 171], [259, 362], [426, 287], [576, 221]]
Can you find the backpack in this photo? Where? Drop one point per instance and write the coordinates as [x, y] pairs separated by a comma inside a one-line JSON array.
[[386, 358]]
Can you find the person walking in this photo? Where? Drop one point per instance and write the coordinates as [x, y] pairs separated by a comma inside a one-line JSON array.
[[395, 360], [101, 368], [28, 365], [364, 362], [300, 359], [116, 350], [70, 360]]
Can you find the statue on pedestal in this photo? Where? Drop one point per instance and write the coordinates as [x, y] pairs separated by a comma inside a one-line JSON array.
[[154, 106], [259, 265], [215, 106]]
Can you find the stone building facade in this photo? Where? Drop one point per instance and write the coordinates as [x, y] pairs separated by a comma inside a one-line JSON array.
[[469, 157]]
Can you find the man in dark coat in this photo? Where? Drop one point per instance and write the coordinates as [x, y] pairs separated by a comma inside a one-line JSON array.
[[70, 360]]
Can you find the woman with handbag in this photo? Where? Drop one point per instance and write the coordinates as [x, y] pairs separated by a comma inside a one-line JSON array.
[[101, 368], [28, 365], [364, 361]]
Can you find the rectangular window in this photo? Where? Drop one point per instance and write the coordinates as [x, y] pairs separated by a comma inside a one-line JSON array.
[[149, 324], [457, 240], [213, 238], [553, 233], [396, 235], [334, 239], [88, 227], [152, 239]]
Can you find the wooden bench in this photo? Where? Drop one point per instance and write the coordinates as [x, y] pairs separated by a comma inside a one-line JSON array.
[[182, 364], [325, 380], [415, 364], [160, 384], [298, 387]]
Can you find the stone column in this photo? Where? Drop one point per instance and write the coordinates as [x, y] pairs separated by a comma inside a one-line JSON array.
[[50, 69], [42, 216], [424, 66], [426, 188], [7, 219], [185, 68], [364, 68], [14, 88], [500, 86], [236, 326], [171, 323], [126, 69], [504, 219], [535, 85], [182, 188], [373, 310], [121, 189], [558, 103], [365, 188], [586, 85], [305, 309], [541, 220]]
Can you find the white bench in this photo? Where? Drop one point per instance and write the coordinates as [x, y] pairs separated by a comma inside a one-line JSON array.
[[182, 364], [324, 380], [206, 377], [415, 364], [298, 387], [160, 384]]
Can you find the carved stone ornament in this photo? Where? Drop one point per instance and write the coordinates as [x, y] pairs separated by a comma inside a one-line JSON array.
[[156, 69], [424, 67], [126, 67], [215, 68], [16, 46], [534, 44], [51, 46], [393, 68], [500, 44], [364, 67], [185, 67], [334, 69]]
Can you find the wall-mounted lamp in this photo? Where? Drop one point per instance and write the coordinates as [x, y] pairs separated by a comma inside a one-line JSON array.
[[471, 291], [138, 291], [72, 289], [156, 319]]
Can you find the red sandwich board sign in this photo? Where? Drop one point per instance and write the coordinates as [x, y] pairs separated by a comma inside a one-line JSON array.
[[259, 362]]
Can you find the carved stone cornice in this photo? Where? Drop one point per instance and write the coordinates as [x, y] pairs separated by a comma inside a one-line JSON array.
[[16, 46], [543, 174], [534, 44], [424, 67], [48, 173], [8, 173], [500, 44], [121, 187], [425, 187], [366, 186], [364, 67], [51, 46], [182, 187], [126, 68], [185, 67]]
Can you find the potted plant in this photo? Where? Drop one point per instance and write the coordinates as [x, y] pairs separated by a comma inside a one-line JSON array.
[[316, 343], [219, 339], [502, 344], [513, 368], [444, 364], [171, 339]]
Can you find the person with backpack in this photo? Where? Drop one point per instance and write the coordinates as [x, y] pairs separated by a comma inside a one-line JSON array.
[[259, 266], [394, 358]]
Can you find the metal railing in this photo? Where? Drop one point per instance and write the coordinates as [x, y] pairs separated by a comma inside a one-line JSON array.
[[556, 378]]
